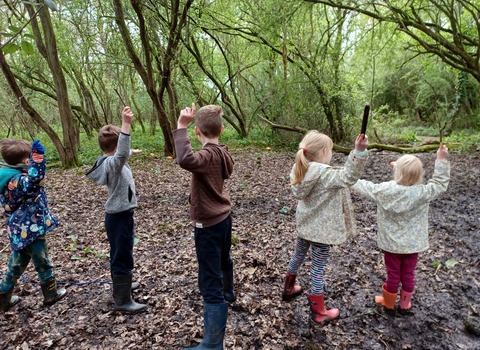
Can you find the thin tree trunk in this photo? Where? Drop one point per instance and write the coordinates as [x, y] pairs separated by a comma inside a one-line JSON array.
[[70, 132], [7, 72]]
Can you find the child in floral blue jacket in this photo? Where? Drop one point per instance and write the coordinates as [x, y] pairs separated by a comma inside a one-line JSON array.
[[28, 219]]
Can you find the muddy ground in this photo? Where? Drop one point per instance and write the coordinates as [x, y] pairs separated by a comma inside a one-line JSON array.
[[446, 299]]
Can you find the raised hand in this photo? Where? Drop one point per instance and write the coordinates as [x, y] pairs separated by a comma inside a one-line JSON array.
[[127, 115], [186, 116], [361, 143], [442, 152], [37, 147]]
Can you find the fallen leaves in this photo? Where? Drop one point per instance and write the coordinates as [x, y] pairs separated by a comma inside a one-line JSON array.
[[264, 227]]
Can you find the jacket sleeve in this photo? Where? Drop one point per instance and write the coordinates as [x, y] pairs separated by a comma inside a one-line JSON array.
[[22, 186], [439, 181], [365, 188], [186, 158], [118, 160], [345, 176]]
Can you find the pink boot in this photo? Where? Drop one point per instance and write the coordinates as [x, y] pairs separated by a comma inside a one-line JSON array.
[[317, 307], [405, 303]]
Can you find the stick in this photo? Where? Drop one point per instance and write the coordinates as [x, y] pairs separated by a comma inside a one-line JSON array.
[[120, 97], [199, 96], [366, 111]]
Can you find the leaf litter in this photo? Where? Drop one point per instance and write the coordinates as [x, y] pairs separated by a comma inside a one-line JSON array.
[[445, 303]]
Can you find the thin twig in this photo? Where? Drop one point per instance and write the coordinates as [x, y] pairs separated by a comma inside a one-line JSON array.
[[200, 95], [120, 97]]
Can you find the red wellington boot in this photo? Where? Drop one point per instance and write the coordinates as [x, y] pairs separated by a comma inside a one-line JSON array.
[[317, 307], [290, 290]]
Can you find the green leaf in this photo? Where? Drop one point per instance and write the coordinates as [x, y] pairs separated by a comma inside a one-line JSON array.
[[31, 36], [136, 240], [76, 257], [451, 263], [10, 48], [27, 47], [14, 28], [8, 35], [51, 5]]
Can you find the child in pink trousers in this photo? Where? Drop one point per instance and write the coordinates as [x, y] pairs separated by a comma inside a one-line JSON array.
[[402, 216]]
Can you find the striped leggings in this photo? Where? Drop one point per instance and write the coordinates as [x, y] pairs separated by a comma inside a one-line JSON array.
[[319, 261]]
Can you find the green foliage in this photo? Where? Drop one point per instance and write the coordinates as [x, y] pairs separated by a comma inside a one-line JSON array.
[[469, 140]]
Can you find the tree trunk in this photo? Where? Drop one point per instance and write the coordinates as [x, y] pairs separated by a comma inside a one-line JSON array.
[[70, 133], [29, 109]]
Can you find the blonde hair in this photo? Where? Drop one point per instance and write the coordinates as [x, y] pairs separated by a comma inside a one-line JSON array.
[[108, 138], [310, 147], [209, 120], [408, 170], [15, 151]]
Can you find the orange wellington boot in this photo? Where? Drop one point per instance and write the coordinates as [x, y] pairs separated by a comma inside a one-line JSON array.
[[317, 307], [290, 290], [388, 299]]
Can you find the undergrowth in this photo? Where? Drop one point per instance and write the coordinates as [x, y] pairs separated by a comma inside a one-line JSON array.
[[392, 132]]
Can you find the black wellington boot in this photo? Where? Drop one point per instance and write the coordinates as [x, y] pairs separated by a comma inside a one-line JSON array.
[[135, 285], [7, 300], [50, 292], [228, 291], [122, 287], [215, 321]]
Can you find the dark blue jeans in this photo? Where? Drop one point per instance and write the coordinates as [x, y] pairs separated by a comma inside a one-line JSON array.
[[212, 245], [120, 233], [36, 251]]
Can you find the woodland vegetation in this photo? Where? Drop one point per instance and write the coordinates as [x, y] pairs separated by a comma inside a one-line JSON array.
[[278, 69], [285, 65]]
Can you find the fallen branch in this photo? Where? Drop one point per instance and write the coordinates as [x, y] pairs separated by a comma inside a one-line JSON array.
[[431, 146]]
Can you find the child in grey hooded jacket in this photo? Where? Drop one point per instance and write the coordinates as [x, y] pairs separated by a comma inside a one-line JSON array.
[[112, 170]]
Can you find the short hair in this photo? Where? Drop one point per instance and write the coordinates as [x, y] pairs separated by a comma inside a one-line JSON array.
[[15, 151], [108, 138], [312, 144], [408, 170], [209, 120]]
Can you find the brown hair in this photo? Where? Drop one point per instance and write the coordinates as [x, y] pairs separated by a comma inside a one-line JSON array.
[[312, 144], [15, 151], [108, 138], [209, 120], [408, 170]]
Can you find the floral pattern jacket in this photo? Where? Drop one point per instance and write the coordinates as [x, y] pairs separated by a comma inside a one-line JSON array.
[[324, 211], [402, 211], [25, 203]]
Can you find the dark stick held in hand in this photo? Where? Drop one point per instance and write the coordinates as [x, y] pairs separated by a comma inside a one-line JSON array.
[[366, 111], [120, 97]]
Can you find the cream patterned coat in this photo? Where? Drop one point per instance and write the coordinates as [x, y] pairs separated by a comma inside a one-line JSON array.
[[324, 213], [402, 211]]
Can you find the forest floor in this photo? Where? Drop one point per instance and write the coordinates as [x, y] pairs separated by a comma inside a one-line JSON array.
[[446, 303]]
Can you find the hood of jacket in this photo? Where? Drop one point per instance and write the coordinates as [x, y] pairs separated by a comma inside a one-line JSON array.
[[302, 189], [8, 171], [400, 199], [227, 162], [96, 174]]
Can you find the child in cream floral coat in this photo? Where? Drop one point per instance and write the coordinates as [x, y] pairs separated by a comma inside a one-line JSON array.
[[323, 217], [402, 215]]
